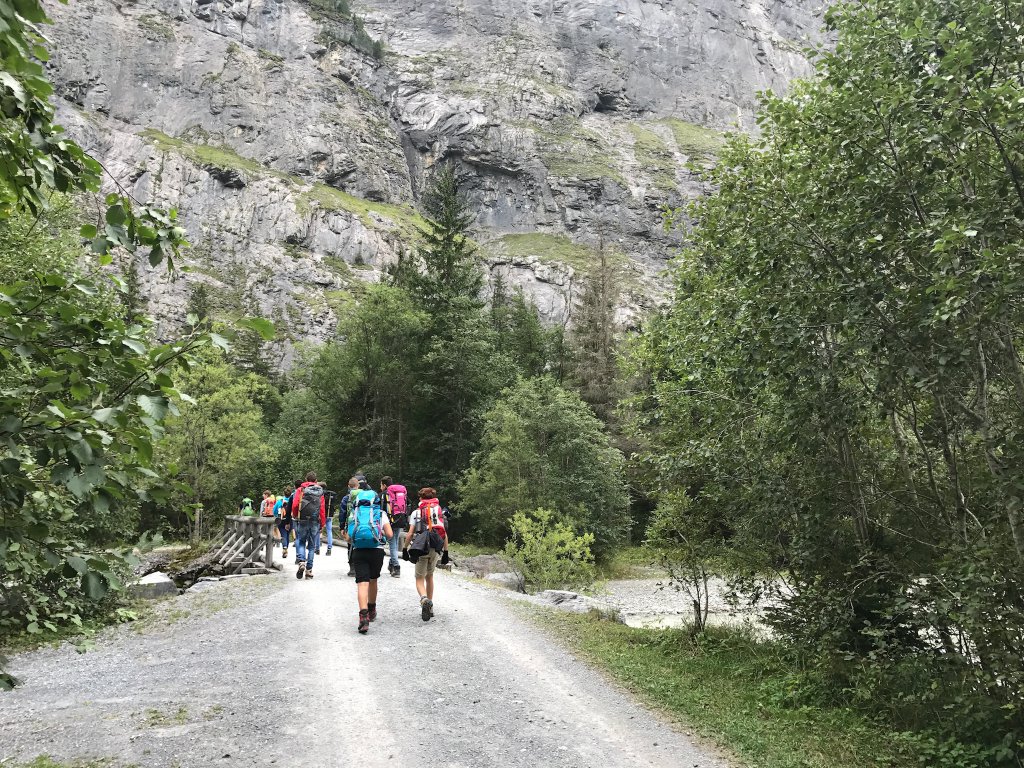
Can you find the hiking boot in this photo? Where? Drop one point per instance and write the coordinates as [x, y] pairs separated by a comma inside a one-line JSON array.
[[371, 612], [426, 608], [318, 551], [364, 622], [298, 560], [309, 574], [284, 555], [302, 569], [397, 571], [328, 551]]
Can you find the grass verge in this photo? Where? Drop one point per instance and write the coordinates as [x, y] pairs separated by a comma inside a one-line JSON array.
[[730, 689]]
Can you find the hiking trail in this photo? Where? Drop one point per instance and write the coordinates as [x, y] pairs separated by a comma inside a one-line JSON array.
[[266, 671]]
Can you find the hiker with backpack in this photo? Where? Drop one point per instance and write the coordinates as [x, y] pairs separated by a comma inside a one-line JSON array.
[[267, 505], [368, 531], [346, 508], [309, 510], [426, 543], [329, 499], [395, 497], [245, 508], [293, 523], [283, 523]]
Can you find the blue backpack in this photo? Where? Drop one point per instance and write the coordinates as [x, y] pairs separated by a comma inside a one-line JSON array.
[[365, 526]]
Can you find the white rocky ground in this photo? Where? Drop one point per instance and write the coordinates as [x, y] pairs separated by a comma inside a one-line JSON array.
[[269, 671]]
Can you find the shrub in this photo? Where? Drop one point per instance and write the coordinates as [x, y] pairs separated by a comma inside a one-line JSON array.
[[547, 553]]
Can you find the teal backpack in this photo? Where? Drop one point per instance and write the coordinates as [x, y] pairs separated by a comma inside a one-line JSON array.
[[365, 526]]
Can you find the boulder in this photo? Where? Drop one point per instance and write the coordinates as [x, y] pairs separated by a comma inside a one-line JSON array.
[[154, 585], [506, 580], [574, 602], [201, 586], [482, 565]]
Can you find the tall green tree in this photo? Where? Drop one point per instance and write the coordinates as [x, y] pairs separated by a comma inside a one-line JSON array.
[[838, 379], [457, 373], [596, 336], [218, 444], [543, 447]]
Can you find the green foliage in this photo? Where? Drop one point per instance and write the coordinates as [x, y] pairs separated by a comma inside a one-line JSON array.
[[542, 447], [218, 444], [596, 336], [547, 553], [695, 140], [83, 395], [837, 384], [519, 334]]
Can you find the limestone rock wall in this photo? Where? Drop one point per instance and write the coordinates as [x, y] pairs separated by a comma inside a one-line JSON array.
[[296, 160]]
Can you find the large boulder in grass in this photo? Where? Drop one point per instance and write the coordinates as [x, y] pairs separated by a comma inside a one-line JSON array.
[[574, 602], [506, 580], [482, 566], [154, 585]]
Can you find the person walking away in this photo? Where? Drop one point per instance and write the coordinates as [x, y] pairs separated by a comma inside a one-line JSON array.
[[369, 531], [293, 524], [309, 509], [347, 502], [395, 496], [283, 524], [267, 505], [329, 499], [245, 508], [426, 541]]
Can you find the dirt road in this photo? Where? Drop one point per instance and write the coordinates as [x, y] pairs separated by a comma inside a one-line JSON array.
[[270, 671]]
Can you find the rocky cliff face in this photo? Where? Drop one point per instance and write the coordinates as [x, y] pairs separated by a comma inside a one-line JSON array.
[[295, 158]]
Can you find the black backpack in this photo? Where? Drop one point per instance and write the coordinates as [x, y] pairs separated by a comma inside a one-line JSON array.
[[309, 502]]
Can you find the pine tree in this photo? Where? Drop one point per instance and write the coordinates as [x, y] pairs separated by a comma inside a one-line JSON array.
[[459, 370], [595, 337]]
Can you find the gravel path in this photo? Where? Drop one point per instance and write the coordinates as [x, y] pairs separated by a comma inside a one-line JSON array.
[[270, 671]]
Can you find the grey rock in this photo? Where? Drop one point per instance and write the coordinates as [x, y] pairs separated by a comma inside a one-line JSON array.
[[506, 580], [570, 120], [577, 603], [201, 586], [154, 585], [482, 565]]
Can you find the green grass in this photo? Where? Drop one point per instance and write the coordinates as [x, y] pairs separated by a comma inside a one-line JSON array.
[[156, 718], [729, 689], [655, 157], [214, 155], [471, 550], [406, 219], [695, 140], [570, 150], [156, 26], [630, 563], [550, 248]]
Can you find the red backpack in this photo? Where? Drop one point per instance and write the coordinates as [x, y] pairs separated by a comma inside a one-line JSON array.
[[432, 516]]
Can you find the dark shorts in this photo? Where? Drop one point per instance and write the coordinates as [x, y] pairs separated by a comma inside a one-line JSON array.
[[367, 563]]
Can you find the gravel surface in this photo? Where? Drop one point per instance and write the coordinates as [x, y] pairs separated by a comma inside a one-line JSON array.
[[269, 671]]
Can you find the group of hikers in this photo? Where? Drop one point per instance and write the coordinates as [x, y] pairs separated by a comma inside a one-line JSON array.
[[371, 523]]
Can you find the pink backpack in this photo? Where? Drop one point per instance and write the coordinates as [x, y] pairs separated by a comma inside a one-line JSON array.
[[397, 504]]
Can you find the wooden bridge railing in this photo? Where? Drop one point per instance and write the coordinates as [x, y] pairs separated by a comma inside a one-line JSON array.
[[246, 543]]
